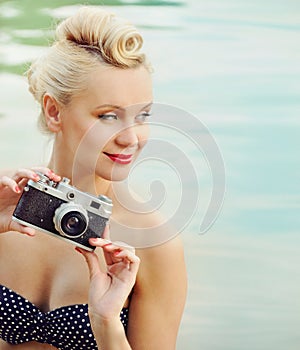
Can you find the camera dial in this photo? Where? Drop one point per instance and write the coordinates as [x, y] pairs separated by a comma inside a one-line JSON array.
[[104, 198], [71, 220], [43, 178], [65, 180]]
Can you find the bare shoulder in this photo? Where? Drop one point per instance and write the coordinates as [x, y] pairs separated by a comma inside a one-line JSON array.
[[162, 265], [159, 293], [135, 222], [157, 243]]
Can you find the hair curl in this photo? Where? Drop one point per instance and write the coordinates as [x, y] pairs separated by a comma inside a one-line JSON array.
[[83, 40]]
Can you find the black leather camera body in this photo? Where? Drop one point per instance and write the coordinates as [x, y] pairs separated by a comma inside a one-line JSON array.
[[61, 210]]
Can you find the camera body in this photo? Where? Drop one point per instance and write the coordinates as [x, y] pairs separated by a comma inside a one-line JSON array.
[[63, 211]]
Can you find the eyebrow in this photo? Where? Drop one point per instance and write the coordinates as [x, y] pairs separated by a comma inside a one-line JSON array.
[[107, 105]]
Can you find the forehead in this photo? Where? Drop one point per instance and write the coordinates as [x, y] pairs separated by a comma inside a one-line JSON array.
[[119, 87]]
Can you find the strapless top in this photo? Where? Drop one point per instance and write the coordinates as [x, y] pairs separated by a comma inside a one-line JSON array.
[[67, 327]]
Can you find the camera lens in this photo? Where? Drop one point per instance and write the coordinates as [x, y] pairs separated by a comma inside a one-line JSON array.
[[73, 224], [71, 220]]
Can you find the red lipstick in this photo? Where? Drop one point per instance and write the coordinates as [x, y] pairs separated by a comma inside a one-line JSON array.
[[119, 158]]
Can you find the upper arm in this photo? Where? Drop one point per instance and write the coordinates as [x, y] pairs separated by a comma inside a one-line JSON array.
[[158, 298]]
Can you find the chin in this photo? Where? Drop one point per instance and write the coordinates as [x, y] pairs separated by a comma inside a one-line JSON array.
[[114, 174], [109, 171]]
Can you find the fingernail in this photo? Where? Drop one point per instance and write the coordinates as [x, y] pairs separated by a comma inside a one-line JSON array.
[[36, 177], [118, 251], [17, 189], [107, 242]]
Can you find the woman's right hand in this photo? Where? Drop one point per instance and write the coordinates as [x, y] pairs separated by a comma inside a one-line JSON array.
[[11, 188]]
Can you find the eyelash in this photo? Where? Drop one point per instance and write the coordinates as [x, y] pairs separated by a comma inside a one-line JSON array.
[[140, 117], [144, 116], [107, 116]]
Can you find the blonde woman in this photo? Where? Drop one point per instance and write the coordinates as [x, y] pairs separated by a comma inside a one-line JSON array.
[[94, 89]]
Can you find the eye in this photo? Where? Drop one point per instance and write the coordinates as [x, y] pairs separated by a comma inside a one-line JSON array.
[[108, 116], [142, 117]]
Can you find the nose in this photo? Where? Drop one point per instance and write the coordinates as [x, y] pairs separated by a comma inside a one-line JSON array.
[[127, 137]]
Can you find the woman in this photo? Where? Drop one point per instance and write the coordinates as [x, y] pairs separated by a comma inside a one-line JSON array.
[[94, 89]]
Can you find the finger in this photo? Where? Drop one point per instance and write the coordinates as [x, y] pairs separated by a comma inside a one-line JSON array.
[[102, 242], [29, 231], [124, 245], [109, 245], [106, 245], [112, 250], [108, 249], [31, 174], [25, 174], [127, 255], [134, 266], [129, 260], [106, 232], [17, 182], [48, 172], [22, 183], [92, 261], [28, 174], [7, 181]]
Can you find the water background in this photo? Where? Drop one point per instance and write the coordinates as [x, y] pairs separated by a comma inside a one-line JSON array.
[[236, 66]]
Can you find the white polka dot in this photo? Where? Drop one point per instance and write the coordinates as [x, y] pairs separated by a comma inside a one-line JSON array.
[[64, 328]]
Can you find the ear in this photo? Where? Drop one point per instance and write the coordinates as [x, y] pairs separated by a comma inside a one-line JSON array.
[[52, 113]]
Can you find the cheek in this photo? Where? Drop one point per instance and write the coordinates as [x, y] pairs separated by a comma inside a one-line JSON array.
[[89, 145], [96, 137], [74, 130], [143, 134]]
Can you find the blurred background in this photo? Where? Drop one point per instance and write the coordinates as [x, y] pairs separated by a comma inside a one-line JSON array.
[[234, 65]]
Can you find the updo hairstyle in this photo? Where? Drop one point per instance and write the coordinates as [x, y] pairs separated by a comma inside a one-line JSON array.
[[84, 40]]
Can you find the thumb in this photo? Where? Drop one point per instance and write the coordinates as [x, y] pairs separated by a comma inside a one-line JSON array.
[[106, 232], [92, 261]]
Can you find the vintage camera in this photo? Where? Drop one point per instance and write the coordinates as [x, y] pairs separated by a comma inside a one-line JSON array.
[[63, 211]]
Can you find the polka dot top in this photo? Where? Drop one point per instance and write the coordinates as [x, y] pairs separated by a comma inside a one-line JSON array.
[[67, 327]]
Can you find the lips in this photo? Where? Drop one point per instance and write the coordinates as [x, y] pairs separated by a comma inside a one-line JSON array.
[[119, 158]]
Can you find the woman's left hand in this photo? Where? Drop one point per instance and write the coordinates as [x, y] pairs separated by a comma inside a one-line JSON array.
[[109, 290]]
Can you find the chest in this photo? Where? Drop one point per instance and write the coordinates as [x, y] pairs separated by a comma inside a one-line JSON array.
[[45, 270], [30, 345]]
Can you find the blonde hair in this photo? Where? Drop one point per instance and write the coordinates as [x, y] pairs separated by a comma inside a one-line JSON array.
[[84, 40]]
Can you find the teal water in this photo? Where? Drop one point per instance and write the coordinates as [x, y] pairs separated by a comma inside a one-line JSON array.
[[235, 65]]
